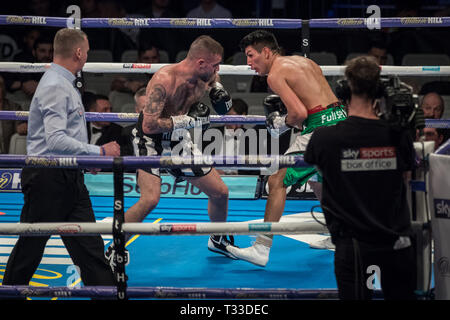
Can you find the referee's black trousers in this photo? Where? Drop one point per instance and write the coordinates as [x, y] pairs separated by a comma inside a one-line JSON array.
[[57, 195]]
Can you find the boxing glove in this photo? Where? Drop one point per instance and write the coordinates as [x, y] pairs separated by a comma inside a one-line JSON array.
[[220, 99], [198, 116], [276, 114]]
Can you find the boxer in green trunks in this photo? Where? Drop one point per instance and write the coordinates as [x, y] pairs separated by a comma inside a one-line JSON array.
[[303, 98]]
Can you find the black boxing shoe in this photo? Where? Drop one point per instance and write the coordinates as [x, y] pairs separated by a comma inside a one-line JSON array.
[[220, 244]]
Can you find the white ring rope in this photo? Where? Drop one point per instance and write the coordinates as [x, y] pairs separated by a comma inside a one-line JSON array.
[[308, 226], [100, 67], [144, 228]]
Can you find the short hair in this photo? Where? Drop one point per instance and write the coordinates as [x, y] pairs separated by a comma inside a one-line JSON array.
[[204, 44], [42, 39], [146, 46], [88, 99], [240, 106], [140, 92], [260, 39], [363, 76], [101, 97], [66, 40]]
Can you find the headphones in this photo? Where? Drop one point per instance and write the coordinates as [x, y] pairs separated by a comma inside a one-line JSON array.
[[344, 93]]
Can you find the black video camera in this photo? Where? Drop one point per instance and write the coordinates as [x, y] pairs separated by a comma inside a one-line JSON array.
[[399, 105]]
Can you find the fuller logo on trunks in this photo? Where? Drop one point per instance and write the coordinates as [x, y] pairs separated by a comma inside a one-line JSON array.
[[368, 159], [333, 116]]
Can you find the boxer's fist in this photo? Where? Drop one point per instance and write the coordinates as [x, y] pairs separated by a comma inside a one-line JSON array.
[[276, 113], [220, 99], [200, 113], [273, 103]]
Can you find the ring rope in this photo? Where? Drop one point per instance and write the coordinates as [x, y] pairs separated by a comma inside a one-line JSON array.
[[224, 69], [162, 229], [171, 292], [132, 162], [206, 228], [125, 23], [214, 119]]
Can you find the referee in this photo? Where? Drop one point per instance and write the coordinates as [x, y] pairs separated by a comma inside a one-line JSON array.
[[57, 126]]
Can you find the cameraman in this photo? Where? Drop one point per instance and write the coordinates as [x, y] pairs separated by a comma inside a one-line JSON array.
[[364, 161]]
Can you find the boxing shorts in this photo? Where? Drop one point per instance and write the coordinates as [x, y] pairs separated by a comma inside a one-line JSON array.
[[167, 144], [317, 117]]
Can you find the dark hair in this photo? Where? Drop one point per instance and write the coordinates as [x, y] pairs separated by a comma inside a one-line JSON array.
[[101, 97], [363, 76], [42, 39], [146, 46], [240, 106], [260, 39]]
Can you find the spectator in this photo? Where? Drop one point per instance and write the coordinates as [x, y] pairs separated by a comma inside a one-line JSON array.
[[117, 41], [24, 54], [42, 53], [102, 132], [160, 9], [89, 9], [139, 99], [436, 135], [88, 98], [29, 39], [167, 39], [9, 127], [432, 105], [146, 54], [234, 138], [209, 9], [40, 8], [378, 50]]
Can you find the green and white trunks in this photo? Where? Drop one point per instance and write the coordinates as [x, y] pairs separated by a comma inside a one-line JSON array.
[[317, 117]]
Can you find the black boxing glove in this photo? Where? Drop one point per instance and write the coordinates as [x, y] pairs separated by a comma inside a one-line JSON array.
[[276, 114], [198, 116], [220, 99]]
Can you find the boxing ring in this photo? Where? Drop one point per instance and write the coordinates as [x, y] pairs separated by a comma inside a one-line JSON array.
[[245, 216]]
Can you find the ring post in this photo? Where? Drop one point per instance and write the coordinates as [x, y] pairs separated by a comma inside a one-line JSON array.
[[118, 234], [306, 38]]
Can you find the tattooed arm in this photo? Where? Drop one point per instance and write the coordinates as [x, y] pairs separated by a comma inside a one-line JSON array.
[[156, 101]]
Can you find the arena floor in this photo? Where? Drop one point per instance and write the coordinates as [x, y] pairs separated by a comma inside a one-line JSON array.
[[185, 261]]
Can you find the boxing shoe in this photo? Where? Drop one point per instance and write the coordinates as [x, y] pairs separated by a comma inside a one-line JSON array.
[[257, 254], [222, 245], [323, 244]]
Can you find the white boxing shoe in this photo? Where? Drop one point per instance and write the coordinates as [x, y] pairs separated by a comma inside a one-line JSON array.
[[257, 254], [323, 244]]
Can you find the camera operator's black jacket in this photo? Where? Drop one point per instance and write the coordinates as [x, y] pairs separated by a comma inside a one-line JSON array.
[[362, 162]]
